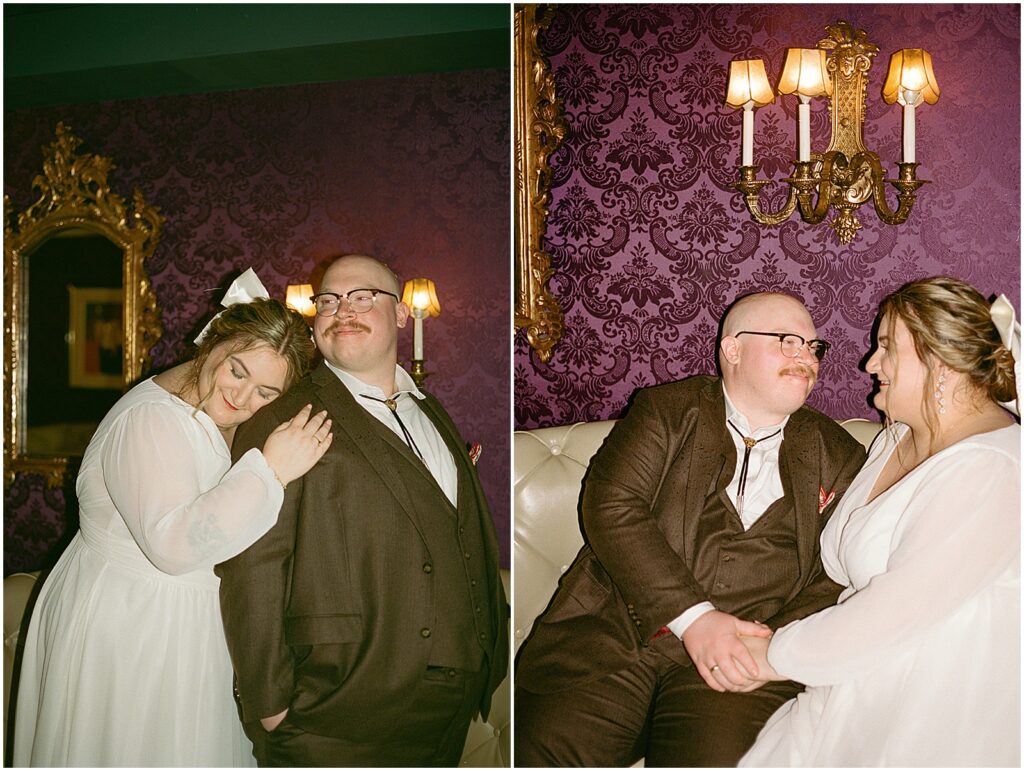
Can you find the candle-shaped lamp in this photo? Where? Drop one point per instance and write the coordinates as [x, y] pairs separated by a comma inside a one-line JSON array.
[[748, 88], [421, 297], [299, 297], [804, 74], [910, 80]]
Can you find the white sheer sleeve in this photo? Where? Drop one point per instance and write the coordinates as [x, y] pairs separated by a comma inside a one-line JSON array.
[[959, 531], [158, 471]]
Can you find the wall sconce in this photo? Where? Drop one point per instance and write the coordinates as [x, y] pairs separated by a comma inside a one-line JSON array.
[[421, 297], [298, 297], [847, 174]]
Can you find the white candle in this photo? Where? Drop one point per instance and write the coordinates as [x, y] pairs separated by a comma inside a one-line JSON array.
[[909, 133], [417, 336], [803, 125], [748, 135]]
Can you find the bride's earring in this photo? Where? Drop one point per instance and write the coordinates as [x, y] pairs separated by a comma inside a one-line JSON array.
[[940, 393]]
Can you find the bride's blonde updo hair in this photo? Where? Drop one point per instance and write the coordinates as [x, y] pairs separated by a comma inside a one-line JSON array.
[[262, 322], [950, 323]]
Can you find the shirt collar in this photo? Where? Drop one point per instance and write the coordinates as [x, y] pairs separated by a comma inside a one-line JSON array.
[[740, 421], [403, 382]]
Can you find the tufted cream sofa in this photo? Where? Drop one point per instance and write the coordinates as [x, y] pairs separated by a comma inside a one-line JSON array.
[[19, 588], [488, 744], [549, 464]]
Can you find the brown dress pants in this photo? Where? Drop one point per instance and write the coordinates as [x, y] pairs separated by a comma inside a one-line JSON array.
[[654, 709], [431, 732]]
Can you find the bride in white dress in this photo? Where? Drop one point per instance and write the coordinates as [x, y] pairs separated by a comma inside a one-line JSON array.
[[919, 662], [125, 659]]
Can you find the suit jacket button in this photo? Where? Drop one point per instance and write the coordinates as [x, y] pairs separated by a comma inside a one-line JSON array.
[[425, 632], [427, 567]]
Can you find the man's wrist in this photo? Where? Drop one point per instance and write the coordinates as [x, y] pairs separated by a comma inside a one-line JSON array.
[[682, 622]]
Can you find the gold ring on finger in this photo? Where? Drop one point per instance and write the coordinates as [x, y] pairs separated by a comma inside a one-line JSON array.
[[714, 667]]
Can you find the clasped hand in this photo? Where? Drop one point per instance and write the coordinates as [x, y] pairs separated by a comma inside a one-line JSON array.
[[729, 653]]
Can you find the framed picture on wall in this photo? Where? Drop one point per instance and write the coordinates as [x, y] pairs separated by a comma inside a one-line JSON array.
[[95, 337]]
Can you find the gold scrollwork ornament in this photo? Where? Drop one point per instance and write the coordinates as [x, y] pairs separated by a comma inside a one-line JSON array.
[[540, 128]]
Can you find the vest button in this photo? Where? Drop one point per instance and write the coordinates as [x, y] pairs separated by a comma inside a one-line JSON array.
[[726, 558], [478, 609], [719, 585], [451, 673], [472, 582], [465, 554], [483, 635], [427, 567], [425, 632]]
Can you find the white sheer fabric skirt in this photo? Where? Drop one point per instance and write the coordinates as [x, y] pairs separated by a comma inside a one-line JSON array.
[[126, 666]]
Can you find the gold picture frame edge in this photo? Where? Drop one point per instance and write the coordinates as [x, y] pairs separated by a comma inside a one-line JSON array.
[[539, 130]]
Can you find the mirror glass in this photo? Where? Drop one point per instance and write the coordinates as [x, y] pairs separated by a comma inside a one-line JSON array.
[[75, 368]]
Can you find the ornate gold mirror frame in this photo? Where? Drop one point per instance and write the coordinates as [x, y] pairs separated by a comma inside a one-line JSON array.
[[539, 130], [75, 198]]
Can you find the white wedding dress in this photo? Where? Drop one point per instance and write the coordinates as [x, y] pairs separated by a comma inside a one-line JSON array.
[[125, 659], [919, 662]]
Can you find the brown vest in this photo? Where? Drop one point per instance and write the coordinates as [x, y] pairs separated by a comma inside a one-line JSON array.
[[748, 573], [457, 567]]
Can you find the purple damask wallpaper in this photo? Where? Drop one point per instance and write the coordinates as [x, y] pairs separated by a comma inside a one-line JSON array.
[[413, 170], [650, 244]]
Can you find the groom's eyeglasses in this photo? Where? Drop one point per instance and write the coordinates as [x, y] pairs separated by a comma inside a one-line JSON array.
[[791, 344]]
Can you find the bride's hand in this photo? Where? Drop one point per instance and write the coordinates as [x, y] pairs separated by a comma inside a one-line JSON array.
[[758, 648]]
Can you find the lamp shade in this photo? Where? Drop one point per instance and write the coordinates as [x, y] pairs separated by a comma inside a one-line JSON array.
[[297, 297], [748, 82], [419, 294], [805, 73], [911, 69]]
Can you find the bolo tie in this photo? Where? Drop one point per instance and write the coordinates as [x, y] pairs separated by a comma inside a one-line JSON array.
[[392, 404], [748, 444]]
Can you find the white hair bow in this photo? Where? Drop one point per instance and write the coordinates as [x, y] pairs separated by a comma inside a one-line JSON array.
[[1004, 318], [243, 289]]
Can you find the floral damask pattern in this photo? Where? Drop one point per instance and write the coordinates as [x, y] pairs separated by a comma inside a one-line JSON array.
[[650, 243], [414, 170]]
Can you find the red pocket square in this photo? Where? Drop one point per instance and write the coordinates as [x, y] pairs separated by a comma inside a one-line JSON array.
[[824, 499], [475, 449]]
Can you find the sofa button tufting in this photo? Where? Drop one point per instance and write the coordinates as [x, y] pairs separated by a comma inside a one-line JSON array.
[[519, 634], [556, 450]]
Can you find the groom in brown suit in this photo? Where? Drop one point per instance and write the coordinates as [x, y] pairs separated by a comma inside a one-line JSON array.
[[701, 514], [369, 625]]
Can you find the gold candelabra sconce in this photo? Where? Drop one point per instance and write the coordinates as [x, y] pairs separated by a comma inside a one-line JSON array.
[[420, 295], [847, 174]]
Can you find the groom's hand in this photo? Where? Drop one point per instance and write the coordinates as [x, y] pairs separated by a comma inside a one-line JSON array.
[[272, 722], [713, 642]]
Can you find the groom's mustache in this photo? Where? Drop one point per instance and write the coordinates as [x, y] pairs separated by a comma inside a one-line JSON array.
[[354, 325], [799, 369]]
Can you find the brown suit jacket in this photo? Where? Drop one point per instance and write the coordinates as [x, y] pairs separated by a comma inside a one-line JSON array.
[[643, 498], [324, 614]]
